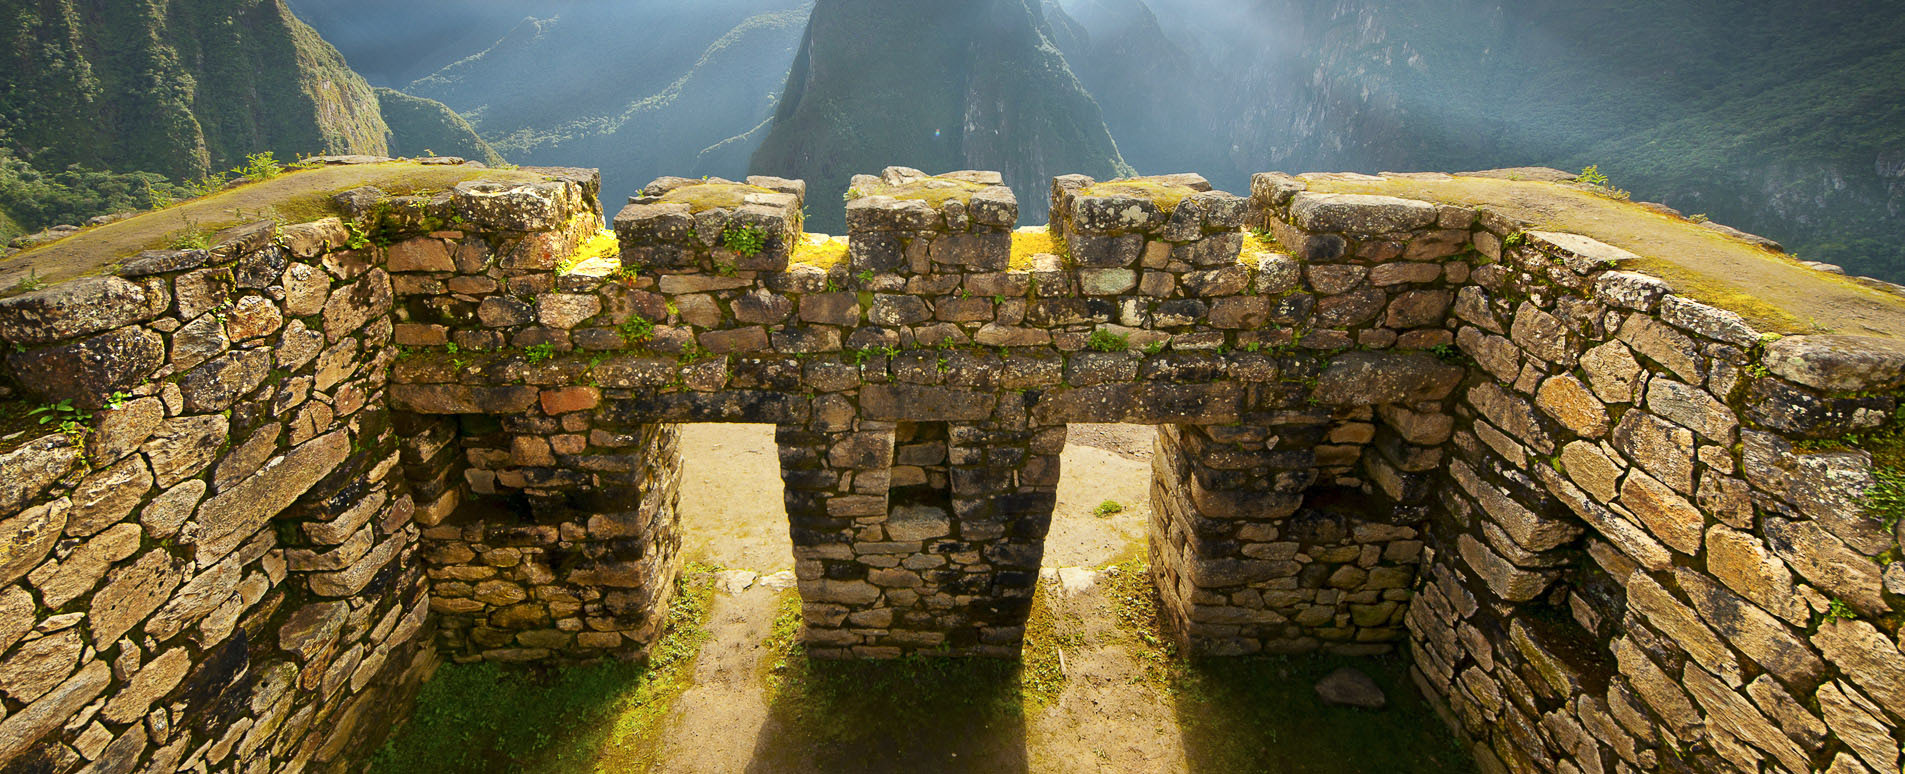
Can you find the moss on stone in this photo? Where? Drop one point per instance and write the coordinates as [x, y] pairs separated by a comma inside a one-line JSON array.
[[713, 196], [597, 256], [1255, 249], [934, 191], [1165, 195], [295, 197], [1773, 291]]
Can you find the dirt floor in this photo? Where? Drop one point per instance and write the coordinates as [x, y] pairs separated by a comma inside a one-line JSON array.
[[1112, 713]]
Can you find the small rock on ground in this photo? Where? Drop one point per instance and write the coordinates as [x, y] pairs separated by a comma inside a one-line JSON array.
[[1348, 687]]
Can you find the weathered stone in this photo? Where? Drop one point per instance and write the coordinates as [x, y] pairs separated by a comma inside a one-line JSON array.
[[1613, 372], [79, 307], [1728, 710], [420, 255], [183, 446], [219, 383], [1348, 687], [1359, 214], [200, 340], [131, 593], [1838, 364], [1568, 400], [198, 598], [1866, 656], [107, 496], [1513, 415], [1506, 580], [298, 345], [1663, 449], [458, 399], [1630, 291], [1828, 486], [229, 518], [1660, 691], [1591, 469], [1754, 632], [120, 431], [253, 317], [306, 288], [74, 576], [40, 665], [89, 371], [1668, 516], [23, 730], [1665, 346], [17, 610], [203, 291], [1530, 530], [27, 538], [26, 471], [1747, 566], [1623, 533], [1860, 725], [1821, 558], [352, 306], [1373, 378], [1541, 335], [1681, 625]]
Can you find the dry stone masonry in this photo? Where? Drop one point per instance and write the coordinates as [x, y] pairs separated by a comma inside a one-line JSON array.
[[1614, 528]]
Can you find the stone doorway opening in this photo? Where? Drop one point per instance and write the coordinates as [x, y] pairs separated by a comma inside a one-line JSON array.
[[1104, 496], [733, 513]]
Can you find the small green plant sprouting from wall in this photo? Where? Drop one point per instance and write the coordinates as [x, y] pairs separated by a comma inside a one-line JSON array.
[[62, 412], [1108, 508], [1106, 341], [637, 330], [540, 352], [1516, 239], [1451, 354], [746, 240], [32, 281], [852, 194], [1837, 610]]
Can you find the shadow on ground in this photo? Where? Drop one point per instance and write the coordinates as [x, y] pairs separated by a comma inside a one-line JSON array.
[[1244, 715], [907, 715]]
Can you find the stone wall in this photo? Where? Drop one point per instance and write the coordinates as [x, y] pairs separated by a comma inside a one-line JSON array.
[[1651, 549], [1616, 529], [213, 569]]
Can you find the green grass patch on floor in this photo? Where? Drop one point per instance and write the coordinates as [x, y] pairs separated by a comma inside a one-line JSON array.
[[924, 709], [1261, 714], [605, 717]]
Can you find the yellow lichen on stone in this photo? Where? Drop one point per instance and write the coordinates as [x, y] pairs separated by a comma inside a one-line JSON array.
[[820, 251], [1028, 243], [1165, 195], [597, 256], [1255, 250], [713, 196]]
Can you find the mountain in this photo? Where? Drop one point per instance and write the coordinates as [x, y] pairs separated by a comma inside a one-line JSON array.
[[177, 87], [394, 43], [937, 86], [426, 127], [1778, 118], [639, 89]]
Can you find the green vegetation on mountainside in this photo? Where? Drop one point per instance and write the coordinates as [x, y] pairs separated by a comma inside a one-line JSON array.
[[424, 127], [176, 87], [985, 89]]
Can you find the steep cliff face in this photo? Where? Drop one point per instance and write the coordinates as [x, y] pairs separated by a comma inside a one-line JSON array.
[[936, 86], [638, 89], [179, 87], [426, 127], [1155, 93], [1774, 117]]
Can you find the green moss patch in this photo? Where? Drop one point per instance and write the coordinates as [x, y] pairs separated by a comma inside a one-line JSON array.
[[713, 196], [1165, 195], [1773, 291], [934, 191], [608, 717], [296, 197]]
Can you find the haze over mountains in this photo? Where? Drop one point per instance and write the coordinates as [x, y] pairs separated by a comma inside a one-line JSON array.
[[1783, 119]]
